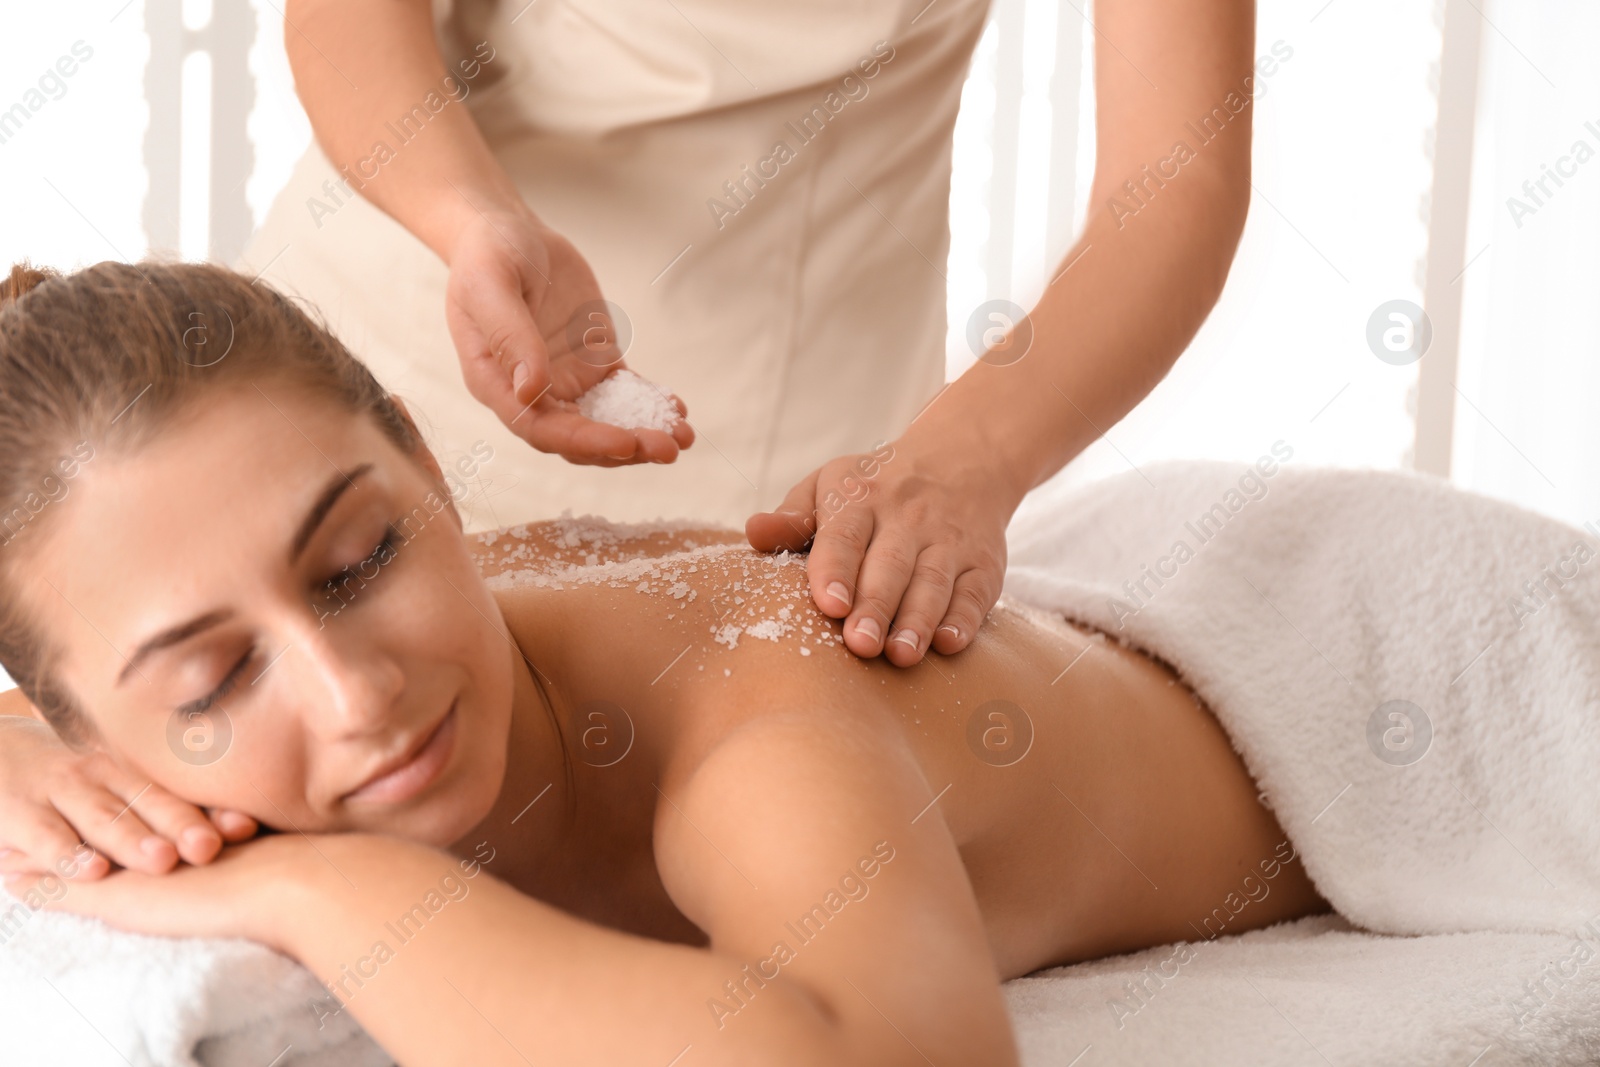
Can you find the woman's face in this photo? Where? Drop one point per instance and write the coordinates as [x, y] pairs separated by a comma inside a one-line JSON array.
[[271, 608]]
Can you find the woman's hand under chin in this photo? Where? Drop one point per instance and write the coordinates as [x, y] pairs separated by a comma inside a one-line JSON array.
[[245, 892]]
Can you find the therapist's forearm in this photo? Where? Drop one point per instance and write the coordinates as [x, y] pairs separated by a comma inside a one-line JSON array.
[[1124, 304], [362, 64]]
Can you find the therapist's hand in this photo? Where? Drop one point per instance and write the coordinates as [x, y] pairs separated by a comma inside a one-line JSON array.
[[533, 334], [907, 542]]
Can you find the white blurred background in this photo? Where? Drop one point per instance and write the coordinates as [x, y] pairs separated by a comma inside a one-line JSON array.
[[1386, 148]]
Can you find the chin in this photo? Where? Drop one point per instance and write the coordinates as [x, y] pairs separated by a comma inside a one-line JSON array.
[[458, 802]]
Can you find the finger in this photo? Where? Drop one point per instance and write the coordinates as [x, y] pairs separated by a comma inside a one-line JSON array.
[[682, 432], [505, 363], [924, 605], [885, 575], [235, 826], [111, 825], [73, 864], [975, 592], [50, 843], [180, 822], [835, 564], [556, 426], [530, 409], [12, 860], [790, 526], [655, 446]]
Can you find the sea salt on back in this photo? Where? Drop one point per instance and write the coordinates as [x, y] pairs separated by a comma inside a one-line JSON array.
[[750, 594], [625, 399]]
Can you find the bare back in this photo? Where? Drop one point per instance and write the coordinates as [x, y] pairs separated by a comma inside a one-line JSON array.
[[1096, 805]]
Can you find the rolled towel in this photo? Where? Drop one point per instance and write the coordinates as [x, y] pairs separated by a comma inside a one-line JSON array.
[[76, 993]]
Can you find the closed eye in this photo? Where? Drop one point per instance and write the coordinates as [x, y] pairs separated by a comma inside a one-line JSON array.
[[224, 687], [381, 554]]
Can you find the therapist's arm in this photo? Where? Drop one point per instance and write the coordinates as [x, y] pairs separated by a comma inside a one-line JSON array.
[[915, 543], [516, 286]]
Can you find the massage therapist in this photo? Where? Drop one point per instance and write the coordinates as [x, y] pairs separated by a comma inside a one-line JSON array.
[[747, 201]]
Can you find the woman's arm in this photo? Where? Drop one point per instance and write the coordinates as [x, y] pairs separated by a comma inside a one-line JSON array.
[[842, 931], [924, 553], [361, 68]]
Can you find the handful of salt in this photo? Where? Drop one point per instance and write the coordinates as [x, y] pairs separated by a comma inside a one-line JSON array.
[[625, 399]]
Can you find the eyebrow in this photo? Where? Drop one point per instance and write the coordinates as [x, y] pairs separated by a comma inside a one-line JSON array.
[[172, 635]]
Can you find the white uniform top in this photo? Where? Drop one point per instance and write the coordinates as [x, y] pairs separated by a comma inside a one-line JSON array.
[[763, 187]]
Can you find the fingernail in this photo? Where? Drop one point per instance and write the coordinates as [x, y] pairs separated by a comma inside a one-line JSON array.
[[906, 637], [954, 632], [868, 628], [839, 592], [152, 845], [195, 836], [519, 375]]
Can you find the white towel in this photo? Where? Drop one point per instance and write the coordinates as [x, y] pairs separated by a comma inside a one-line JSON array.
[[76, 993], [1317, 993], [1411, 672]]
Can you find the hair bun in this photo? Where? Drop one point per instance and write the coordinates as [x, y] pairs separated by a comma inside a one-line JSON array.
[[24, 278]]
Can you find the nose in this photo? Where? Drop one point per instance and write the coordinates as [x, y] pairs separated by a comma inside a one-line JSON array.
[[358, 682]]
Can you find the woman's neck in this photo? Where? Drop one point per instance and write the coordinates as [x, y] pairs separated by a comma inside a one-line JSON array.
[[534, 811]]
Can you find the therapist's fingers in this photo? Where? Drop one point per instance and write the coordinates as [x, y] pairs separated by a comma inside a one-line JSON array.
[[834, 569], [552, 425], [886, 572], [488, 306], [503, 356], [923, 605], [790, 526], [975, 592]]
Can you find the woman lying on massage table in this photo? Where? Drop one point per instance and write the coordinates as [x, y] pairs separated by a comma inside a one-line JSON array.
[[566, 794]]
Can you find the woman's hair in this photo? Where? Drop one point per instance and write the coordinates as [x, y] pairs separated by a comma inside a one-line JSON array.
[[102, 360]]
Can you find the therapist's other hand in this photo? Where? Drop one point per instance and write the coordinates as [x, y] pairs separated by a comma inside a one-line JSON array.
[[907, 546], [533, 334]]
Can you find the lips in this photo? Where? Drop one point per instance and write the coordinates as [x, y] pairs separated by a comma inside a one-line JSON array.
[[413, 770]]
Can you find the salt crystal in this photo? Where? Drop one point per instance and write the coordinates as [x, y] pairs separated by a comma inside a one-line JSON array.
[[804, 651], [627, 400], [766, 629]]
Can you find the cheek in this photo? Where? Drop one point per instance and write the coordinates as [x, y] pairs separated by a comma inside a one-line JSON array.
[[244, 761], [439, 610]]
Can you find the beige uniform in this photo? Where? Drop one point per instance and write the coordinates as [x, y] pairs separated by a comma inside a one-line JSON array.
[[763, 187]]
